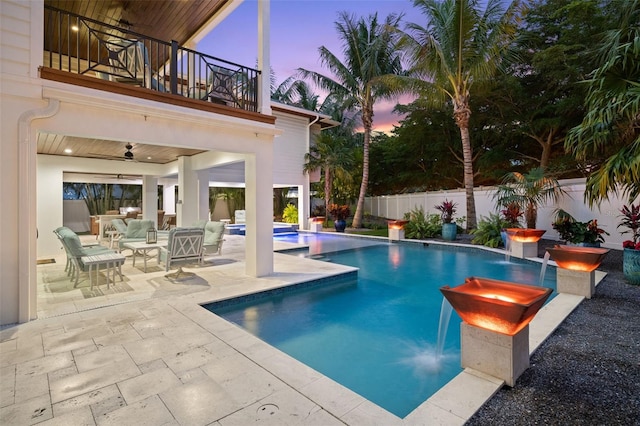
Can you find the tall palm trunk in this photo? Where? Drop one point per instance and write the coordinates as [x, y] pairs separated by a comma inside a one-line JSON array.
[[461, 114], [327, 192], [367, 121]]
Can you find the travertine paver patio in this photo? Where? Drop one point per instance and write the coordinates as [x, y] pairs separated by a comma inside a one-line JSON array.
[[145, 352]]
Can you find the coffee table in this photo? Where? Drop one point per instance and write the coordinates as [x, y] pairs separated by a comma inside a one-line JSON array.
[[142, 248]]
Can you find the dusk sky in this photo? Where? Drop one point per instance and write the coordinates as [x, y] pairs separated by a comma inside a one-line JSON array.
[[298, 29]]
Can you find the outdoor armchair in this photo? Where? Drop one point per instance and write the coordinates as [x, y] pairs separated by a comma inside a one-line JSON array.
[[185, 245], [75, 251]]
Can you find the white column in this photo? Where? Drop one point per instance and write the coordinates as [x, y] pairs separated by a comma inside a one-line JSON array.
[[259, 213], [187, 204], [169, 198], [150, 199], [49, 217], [304, 201], [264, 56], [203, 194]]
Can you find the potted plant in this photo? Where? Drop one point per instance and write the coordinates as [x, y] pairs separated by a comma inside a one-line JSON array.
[[447, 210], [630, 218], [339, 215]]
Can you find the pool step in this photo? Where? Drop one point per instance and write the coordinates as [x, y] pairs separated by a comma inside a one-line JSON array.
[[320, 257]]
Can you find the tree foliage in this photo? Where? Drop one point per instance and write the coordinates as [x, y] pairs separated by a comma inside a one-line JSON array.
[[611, 126]]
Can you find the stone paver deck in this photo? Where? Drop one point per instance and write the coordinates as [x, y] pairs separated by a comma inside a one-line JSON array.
[[145, 352]]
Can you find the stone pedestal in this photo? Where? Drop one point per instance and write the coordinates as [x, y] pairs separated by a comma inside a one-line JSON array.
[[496, 354], [580, 283], [396, 234], [315, 226], [522, 250]]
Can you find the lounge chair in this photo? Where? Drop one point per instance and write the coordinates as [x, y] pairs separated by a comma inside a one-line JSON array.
[[76, 252], [185, 245]]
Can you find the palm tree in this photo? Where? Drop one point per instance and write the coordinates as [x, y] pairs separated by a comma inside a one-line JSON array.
[[369, 54], [297, 93], [460, 47], [332, 154], [528, 191], [612, 123]]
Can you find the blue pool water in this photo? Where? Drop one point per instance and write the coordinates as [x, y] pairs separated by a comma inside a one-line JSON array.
[[377, 334]]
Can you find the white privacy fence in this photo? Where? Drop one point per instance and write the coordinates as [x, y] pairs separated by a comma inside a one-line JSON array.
[[395, 206]]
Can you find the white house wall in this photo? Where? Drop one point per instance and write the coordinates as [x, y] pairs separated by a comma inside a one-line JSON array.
[[18, 94], [289, 149]]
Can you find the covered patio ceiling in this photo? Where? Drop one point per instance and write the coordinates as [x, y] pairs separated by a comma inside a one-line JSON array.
[[71, 146], [162, 19]]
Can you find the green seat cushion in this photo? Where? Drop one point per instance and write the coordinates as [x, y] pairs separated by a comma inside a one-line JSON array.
[[213, 233], [137, 228]]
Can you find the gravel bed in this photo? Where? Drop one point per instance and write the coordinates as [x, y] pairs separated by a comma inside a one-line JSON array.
[[588, 371]]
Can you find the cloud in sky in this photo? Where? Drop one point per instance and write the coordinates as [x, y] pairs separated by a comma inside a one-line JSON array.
[[298, 29]]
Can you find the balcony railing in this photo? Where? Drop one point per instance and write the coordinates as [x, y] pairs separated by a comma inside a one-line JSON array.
[[85, 46]]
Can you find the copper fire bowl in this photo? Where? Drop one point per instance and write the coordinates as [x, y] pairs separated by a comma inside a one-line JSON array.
[[396, 224], [525, 235], [577, 258], [317, 219], [500, 306]]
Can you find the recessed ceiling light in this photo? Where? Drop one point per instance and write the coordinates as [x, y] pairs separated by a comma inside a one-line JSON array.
[[148, 158], [75, 28], [68, 151]]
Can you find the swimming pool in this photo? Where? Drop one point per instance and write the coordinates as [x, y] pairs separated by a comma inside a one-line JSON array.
[[377, 334]]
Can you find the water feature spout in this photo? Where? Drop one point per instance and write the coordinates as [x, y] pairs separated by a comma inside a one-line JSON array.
[[507, 248], [543, 269], [443, 327]]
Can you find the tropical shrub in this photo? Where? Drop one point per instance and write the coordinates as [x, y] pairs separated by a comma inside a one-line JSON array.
[[421, 226], [488, 231], [575, 232], [338, 212], [512, 214], [529, 191], [290, 214]]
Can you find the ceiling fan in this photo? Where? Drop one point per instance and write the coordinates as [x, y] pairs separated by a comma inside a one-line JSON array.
[[127, 156]]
